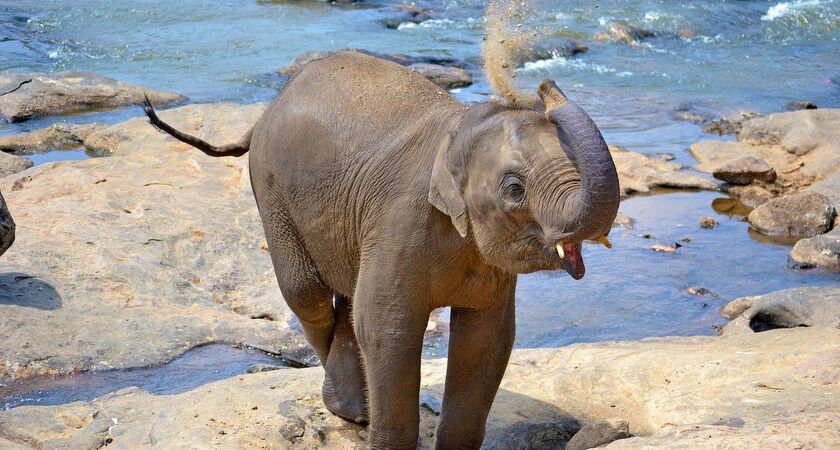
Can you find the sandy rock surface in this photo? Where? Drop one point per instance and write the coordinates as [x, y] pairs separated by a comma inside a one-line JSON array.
[[641, 173], [157, 245], [769, 389], [64, 92], [10, 164]]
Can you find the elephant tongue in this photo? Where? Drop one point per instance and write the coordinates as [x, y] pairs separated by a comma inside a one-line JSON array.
[[573, 261]]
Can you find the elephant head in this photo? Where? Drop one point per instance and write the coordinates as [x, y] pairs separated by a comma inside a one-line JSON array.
[[528, 187]]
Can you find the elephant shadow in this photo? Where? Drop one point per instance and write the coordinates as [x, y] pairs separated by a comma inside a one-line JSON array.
[[516, 421], [20, 289]]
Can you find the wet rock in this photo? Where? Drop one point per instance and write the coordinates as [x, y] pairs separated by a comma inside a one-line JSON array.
[[624, 221], [688, 114], [700, 291], [664, 248], [738, 388], [189, 265], [708, 223], [443, 71], [801, 104], [640, 173], [7, 227], [751, 196], [731, 123], [406, 13], [71, 91], [744, 171], [10, 164], [598, 434], [627, 34], [528, 51], [443, 76], [798, 215], [817, 307], [821, 252]]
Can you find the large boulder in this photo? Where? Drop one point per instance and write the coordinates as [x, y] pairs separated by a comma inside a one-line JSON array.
[[130, 260], [7, 227], [624, 33], [789, 308], [776, 390], [821, 252], [799, 215], [64, 92]]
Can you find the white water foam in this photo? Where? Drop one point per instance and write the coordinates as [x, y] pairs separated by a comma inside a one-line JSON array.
[[559, 61], [787, 8]]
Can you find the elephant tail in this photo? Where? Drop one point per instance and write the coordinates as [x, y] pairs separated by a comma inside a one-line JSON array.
[[237, 149]]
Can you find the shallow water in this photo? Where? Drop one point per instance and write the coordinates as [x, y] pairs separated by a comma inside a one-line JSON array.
[[194, 368], [755, 55]]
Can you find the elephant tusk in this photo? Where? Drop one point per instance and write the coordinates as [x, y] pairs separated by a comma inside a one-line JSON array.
[[560, 250], [604, 241]]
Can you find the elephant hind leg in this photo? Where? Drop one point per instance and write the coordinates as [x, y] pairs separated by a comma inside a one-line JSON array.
[[309, 298], [345, 390]]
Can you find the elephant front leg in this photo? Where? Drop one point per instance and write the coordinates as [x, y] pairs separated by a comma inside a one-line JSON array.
[[390, 330], [479, 348]]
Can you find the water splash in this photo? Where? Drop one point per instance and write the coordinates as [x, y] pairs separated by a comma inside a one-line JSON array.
[[787, 8]]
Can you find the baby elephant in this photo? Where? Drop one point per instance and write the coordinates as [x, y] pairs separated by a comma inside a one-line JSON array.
[[382, 198]]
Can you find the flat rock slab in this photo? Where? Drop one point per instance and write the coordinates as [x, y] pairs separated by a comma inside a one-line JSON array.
[[444, 76], [10, 164], [771, 388], [130, 260], [744, 171], [799, 215], [821, 252], [789, 308], [71, 91], [638, 172]]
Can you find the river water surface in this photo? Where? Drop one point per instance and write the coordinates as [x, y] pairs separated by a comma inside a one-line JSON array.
[[755, 55]]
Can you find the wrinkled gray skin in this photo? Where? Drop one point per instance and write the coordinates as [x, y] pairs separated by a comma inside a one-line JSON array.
[[382, 199], [7, 227]]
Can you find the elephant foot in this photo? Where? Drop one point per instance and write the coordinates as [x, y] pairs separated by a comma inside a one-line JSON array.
[[346, 398]]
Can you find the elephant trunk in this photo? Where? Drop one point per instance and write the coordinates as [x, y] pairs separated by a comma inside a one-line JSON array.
[[589, 211]]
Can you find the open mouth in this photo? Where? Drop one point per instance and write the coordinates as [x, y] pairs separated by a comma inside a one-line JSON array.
[[572, 258]]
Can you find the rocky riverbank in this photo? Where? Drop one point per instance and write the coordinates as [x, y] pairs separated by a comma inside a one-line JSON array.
[[787, 167], [778, 388]]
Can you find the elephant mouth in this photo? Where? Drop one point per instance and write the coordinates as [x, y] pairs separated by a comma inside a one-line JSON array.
[[571, 258]]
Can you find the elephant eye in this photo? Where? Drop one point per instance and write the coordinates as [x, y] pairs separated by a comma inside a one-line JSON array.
[[513, 190]]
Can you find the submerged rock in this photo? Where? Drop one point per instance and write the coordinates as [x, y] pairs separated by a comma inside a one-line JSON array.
[[157, 245], [790, 308], [821, 252], [708, 223], [627, 34], [406, 13], [773, 389], [71, 91], [10, 164], [528, 51], [7, 227], [797, 215], [801, 104]]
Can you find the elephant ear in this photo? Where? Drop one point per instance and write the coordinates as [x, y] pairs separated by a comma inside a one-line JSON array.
[[444, 192]]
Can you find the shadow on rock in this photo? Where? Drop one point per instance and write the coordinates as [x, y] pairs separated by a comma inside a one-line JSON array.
[[25, 290]]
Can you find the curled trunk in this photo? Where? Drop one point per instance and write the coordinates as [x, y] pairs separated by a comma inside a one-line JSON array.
[[589, 211]]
